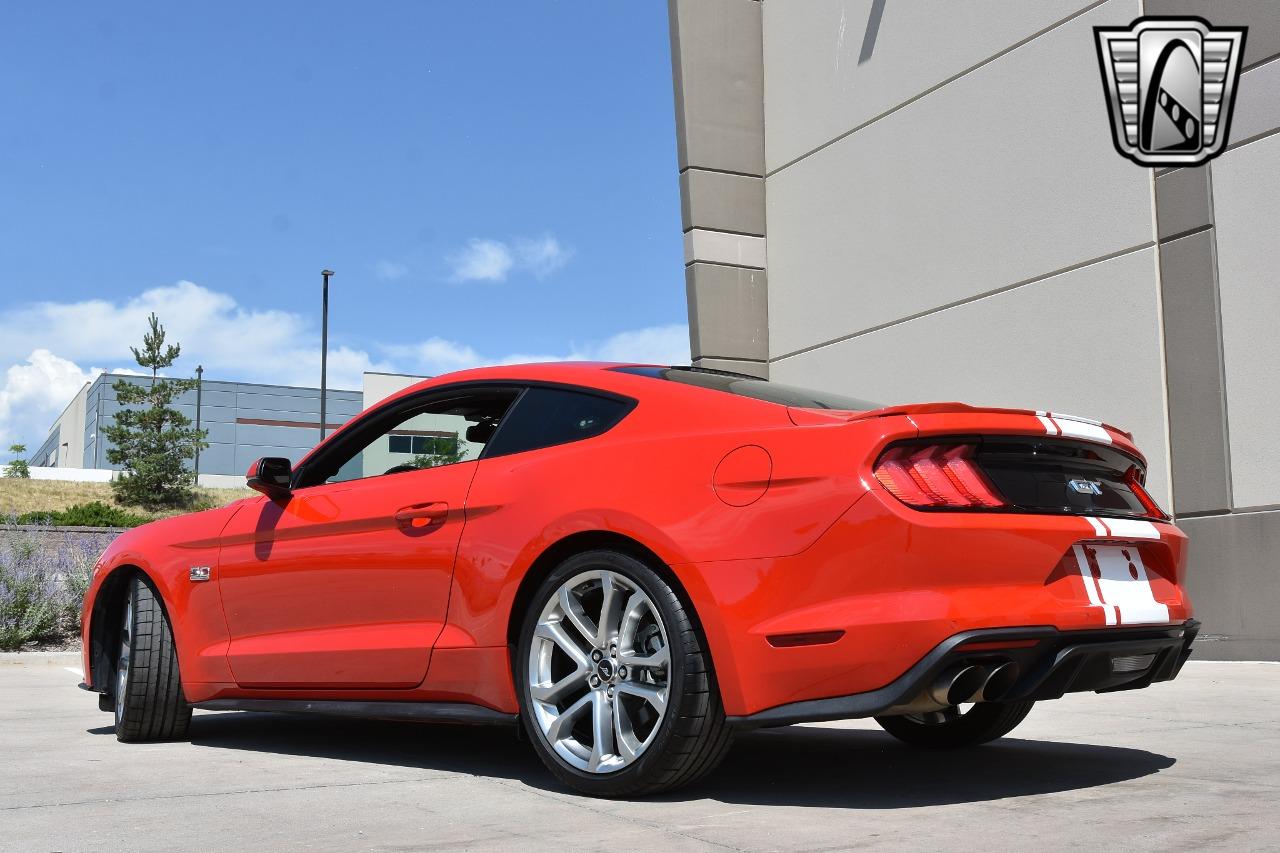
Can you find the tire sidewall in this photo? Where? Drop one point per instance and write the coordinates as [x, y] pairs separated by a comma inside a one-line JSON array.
[[661, 593]]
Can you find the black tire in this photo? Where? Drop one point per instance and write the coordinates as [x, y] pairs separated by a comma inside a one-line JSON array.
[[692, 736], [149, 705], [984, 722]]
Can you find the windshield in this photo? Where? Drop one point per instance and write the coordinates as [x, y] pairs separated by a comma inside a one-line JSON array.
[[749, 386]]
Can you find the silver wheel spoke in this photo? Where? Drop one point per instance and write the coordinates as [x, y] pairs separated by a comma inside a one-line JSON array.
[[559, 690], [629, 745], [560, 725], [601, 730], [608, 629], [577, 616], [656, 660], [649, 693], [555, 632]]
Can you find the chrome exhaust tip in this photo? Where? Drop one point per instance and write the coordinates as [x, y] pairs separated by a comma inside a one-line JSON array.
[[959, 684], [1000, 682]]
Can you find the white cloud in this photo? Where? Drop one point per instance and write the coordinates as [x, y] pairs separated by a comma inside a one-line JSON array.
[[44, 344], [543, 256], [33, 395], [494, 260], [654, 345], [211, 326], [482, 260], [390, 270]]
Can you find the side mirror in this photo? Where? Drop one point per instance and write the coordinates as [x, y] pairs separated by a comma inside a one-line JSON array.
[[271, 476]]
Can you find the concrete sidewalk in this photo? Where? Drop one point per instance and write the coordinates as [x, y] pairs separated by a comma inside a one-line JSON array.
[[1192, 764]]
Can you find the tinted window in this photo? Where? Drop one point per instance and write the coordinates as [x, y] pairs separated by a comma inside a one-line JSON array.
[[749, 386], [543, 417], [427, 431]]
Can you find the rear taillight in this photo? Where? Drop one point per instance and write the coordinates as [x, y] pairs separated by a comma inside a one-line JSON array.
[[1133, 479], [936, 475]]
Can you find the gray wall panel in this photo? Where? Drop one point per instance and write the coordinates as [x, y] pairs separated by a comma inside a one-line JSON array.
[[1257, 109], [728, 312], [1022, 349], [1193, 356], [891, 222], [1233, 577], [1182, 201], [1246, 193], [1262, 17], [719, 85], [835, 64]]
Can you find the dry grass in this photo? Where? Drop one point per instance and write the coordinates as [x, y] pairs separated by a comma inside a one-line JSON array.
[[18, 496]]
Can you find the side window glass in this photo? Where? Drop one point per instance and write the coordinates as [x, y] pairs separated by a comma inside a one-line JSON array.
[[548, 416], [440, 431]]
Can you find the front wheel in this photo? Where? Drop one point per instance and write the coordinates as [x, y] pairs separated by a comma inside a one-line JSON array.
[[617, 692], [149, 704], [957, 726]]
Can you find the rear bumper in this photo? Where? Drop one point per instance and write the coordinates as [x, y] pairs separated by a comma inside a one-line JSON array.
[[1050, 663]]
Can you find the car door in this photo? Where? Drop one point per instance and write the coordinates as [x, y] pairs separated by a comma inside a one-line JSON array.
[[345, 583]]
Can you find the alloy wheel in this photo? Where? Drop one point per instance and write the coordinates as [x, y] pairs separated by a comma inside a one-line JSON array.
[[122, 664], [599, 671]]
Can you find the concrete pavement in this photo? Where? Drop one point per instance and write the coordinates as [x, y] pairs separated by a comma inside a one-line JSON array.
[[1192, 764]]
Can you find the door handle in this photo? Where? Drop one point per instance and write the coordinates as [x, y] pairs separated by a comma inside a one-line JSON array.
[[422, 515]]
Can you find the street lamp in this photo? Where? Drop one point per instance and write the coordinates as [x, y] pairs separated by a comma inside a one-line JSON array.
[[199, 391], [324, 347]]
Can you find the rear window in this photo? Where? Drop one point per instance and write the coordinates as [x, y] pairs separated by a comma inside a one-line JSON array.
[[750, 386], [543, 417]]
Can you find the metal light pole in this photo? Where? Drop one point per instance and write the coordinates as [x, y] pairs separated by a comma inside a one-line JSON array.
[[199, 391], [324, 347]]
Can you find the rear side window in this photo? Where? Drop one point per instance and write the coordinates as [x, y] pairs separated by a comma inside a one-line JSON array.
[[543, 417]]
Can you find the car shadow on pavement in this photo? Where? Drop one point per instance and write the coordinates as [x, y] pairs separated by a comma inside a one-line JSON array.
[[794, 766], [867, 769]]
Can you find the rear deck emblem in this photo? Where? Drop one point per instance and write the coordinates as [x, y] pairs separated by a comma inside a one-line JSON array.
[[1085, 487], [1170, 85]]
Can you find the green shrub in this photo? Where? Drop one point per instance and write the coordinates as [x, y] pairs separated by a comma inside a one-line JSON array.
[[42, 583], [93, 514]]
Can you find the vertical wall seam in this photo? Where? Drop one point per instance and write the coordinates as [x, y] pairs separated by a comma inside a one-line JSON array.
[[1215, 283], [1167, 418]]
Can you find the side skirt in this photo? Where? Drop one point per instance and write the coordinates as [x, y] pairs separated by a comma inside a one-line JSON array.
[[422, 712]]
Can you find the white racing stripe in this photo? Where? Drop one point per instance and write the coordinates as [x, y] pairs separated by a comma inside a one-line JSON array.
[[1091, 586], [1082, 429], [1131, 528], [1132, 597], [1098, 527], [1049, 426]]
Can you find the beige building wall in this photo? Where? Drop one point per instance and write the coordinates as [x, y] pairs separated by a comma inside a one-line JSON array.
[[921, 201]]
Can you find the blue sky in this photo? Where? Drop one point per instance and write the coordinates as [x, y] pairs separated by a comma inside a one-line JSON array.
[[490, 181]]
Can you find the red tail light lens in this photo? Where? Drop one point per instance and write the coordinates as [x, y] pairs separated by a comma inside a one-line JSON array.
[[1133, 479], [936, 475]]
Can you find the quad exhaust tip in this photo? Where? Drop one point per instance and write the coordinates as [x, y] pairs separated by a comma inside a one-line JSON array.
[[958, 684], [974, 683], [1000, 682]]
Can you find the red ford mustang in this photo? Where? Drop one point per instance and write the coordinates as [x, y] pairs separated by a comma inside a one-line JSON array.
[[633, 562]]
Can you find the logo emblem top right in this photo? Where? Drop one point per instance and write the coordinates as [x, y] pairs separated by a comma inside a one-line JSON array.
[[1170, 85]]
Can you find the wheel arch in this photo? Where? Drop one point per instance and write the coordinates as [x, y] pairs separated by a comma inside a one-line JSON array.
[[581, 542], [104, 622]]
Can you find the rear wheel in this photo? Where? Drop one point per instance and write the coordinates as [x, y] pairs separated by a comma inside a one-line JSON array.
[[149, 704], [962, 725], [616, 688]]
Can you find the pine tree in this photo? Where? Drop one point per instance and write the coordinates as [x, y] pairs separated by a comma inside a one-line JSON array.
[[17, 466], [153, 440]]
